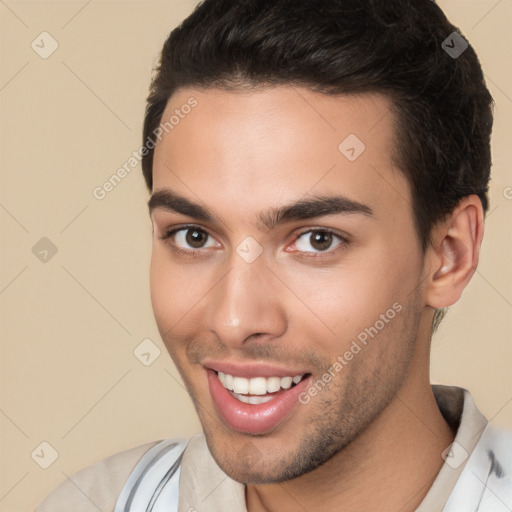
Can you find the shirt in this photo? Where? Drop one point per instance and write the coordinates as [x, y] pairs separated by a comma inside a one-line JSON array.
[[204, 486]]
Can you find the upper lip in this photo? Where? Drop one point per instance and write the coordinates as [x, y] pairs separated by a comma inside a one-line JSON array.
[[252, 370]]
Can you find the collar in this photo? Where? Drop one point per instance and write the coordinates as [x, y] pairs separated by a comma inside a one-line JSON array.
[[460, 412]]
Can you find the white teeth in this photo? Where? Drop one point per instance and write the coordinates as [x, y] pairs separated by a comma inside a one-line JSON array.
[[256, 386], [240, 385], [254, 400], [273, 384], [286, 382]]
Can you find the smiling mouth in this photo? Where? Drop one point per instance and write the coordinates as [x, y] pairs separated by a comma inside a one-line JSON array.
[[259, 402], [258, 390]]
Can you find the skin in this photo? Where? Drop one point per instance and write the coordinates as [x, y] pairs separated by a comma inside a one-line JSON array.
[[376, 425]]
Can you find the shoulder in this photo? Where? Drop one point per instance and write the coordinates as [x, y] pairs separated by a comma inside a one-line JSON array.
[[96, 487]]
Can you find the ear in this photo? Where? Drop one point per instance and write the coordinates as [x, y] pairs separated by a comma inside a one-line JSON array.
[[453, 256]]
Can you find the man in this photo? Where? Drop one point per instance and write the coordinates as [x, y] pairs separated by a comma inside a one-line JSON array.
[[318, 175]]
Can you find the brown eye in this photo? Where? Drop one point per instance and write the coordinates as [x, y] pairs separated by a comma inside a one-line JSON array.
[[195, 238], [318, 241], [190, 239]]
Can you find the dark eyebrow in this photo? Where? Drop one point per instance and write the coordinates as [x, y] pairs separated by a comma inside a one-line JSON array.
[[303, 209]]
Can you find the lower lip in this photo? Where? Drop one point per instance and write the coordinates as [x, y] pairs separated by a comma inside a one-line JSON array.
[[254, 418]]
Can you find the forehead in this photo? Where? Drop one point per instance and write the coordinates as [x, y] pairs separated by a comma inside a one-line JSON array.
[[242, 152]]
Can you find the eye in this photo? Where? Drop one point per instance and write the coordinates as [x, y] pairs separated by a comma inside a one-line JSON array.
[[321, 240], [189, 239]]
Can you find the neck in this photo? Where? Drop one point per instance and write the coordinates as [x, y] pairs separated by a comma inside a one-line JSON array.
[[388, 467]]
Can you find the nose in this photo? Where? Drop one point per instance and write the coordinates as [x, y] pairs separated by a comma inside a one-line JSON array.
[[247, 304]]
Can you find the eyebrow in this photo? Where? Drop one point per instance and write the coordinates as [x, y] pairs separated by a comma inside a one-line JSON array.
[[302, 209]]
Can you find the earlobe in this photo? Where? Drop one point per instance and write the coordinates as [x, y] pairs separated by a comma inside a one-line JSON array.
[[455, 253]]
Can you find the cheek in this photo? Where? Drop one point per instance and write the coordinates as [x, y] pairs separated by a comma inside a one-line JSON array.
[[350, 298], [178, 295], [160, 282], [171, 288]]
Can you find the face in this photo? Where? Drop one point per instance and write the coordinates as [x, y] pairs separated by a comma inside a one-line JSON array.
[[284, 249]]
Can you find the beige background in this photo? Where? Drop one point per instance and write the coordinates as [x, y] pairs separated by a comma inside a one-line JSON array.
[[70, 325]]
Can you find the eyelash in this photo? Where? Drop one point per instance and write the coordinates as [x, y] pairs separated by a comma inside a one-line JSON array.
[[197, 252]]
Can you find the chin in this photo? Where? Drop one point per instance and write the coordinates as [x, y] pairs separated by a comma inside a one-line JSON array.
[[247, 460]]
